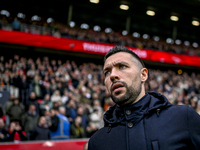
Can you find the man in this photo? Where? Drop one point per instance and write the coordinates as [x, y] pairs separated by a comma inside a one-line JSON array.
[[16, 110], [30, 120], [63, 128], [139, 120], [76, 129], [16, 132], [41, 131]]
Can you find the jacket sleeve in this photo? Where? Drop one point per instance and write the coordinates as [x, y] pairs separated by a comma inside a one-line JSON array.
[[54, 124], [194, 127], [22, 136]]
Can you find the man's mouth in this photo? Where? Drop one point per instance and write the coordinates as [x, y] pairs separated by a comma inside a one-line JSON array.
[[117, 86]]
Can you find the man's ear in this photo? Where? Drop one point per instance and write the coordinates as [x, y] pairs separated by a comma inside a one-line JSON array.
[[144, 74]]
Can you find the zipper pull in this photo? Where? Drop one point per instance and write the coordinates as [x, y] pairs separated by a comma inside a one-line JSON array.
[[109, 128], [158, 112]]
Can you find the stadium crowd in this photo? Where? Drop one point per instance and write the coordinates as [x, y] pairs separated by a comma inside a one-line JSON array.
[[52, 99], [59, 29]]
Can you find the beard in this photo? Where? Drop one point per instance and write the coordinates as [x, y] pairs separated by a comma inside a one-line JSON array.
[[130, 96]]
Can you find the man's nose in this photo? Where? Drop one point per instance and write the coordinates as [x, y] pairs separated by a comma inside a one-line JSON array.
[[114, 75]]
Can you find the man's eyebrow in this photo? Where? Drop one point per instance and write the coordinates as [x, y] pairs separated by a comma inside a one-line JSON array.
[[121, 63], [115, 64], [106, 68]]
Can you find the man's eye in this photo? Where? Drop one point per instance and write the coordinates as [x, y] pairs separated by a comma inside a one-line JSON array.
[[106, 73], [122, 66]]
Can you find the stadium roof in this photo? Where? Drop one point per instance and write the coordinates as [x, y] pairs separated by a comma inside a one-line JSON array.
[[108, 14]]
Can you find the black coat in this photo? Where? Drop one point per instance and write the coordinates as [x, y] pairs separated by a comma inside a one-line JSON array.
[[40, 133], [152, 123], [54, 123]]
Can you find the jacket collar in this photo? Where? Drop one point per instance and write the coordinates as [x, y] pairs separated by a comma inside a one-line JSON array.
[[148, 103]]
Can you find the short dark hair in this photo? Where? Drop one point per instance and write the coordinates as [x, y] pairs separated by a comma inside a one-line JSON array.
[[120, 48]]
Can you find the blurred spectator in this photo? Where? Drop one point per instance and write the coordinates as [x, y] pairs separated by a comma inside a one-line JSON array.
[[91, 129], [33, 101], [71, 110], [56, 96], [46, 104], [14, 80], [4, 134], [85, 120], [65, 97], [31, 70], [47, 89], [97, 106], [6, 107], [16, 132], [16, 24], [95, 118], [76, 129], [24, 90], [2, 115], [41, 131], [47, 116], [54, 120], [16, 110], [37, 87], [30, 120], [63, 130]]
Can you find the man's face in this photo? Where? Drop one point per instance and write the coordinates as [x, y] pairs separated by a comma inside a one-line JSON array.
[[42, 121], [122, 78]]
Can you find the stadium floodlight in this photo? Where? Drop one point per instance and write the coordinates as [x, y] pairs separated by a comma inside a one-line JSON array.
[[145, 36], [97, 28], [178, 42], [195, 23], [94, 1], [186, 43], [72, 24], [21, 15], [5, 12], [156, 38], [170, 41], [150, 13], [174, 18], [84, 26], [108, 30], [124, 7], [124, 32], [35, 18], [136, 35], [195, 44], [49, 20]]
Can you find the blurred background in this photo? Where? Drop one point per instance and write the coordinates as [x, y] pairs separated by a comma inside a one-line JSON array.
[[52, 56]]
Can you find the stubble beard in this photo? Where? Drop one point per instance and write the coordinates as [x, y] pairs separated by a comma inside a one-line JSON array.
[[129, 97]]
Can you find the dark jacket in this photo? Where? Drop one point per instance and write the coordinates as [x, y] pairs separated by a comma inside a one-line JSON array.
[[54, 123], [16, 111], [152, 123], [6, 135], [29, 121], [40, 133]]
